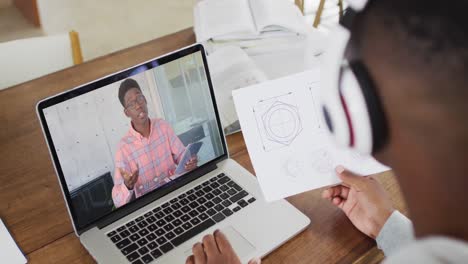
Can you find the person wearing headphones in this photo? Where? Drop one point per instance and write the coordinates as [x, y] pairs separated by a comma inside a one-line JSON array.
[[401, 95]]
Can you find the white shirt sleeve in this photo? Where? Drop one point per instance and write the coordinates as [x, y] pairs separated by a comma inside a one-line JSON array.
[[431, 250], [396, 232]]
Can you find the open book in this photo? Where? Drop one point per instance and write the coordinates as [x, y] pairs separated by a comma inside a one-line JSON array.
[[246, 19]]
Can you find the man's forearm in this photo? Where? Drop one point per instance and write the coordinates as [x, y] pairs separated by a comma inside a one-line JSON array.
[[397, 231]]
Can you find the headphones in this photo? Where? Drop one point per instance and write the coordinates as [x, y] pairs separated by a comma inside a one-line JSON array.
[[350, 104]]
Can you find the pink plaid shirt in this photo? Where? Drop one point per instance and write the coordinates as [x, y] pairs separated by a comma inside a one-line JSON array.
[[156, 158]]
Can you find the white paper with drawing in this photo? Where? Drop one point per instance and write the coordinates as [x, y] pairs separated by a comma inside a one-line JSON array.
[[288, 143]]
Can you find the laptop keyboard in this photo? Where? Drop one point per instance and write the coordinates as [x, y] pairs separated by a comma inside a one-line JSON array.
[[158, 231]]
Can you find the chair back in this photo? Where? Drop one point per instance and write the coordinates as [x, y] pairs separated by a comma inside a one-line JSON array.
[[26, 59]]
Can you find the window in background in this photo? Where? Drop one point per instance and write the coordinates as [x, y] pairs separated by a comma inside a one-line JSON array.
[[186, 103]]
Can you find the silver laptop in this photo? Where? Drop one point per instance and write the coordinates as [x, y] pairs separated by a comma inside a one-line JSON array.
[[117, 143]]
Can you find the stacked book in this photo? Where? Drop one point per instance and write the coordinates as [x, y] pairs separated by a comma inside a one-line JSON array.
[[257, 26]]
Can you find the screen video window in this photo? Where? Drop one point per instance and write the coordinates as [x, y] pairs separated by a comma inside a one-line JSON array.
[[122, 141]]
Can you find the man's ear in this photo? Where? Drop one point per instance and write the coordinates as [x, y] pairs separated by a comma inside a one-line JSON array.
[[126, 112]]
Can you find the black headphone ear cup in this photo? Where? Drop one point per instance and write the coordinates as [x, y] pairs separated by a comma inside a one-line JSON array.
[[376, 114]]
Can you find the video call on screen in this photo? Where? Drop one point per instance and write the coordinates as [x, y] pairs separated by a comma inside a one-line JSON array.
[[107, 162]]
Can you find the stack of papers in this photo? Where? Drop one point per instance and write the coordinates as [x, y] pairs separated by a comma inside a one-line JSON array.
[[249, 23]]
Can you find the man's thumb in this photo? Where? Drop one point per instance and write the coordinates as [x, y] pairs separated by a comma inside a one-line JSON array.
[[348, 177], [255, 261]]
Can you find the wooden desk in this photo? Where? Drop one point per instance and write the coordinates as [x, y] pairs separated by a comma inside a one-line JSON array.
[[33, 208]]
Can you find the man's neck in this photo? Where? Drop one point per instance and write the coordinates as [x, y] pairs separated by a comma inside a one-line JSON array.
[[434, 184], [142, 128]]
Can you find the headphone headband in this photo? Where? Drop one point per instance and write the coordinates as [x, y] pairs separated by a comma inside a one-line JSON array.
[[351, 107], [357, 5]]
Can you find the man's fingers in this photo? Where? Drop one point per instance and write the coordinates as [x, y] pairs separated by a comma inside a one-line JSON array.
[[349, 178], [344, 192], [223, 243], [134, 177], [198, 253], [328, 193], [134, 180], [125, 175], [190, 260], [210, 246], [255, 261], [339, 202], [336, 201], [191, 164], [122, 172], [334, 191]]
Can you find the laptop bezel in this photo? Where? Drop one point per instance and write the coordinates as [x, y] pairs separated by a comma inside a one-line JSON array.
[[100, 83]]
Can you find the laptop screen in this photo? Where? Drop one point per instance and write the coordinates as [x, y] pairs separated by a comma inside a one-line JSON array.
[[135, 133]]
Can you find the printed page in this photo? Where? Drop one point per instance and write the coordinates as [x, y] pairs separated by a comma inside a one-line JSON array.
[[289, 146], [274, 15], [215, 18]]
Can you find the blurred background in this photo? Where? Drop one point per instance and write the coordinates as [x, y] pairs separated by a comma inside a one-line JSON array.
[[105, 26]]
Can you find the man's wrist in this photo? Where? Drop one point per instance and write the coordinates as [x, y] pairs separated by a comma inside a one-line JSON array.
[[381, 220], [397, 231]]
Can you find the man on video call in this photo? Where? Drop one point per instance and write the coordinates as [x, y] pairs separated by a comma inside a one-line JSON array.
[[148, 154]]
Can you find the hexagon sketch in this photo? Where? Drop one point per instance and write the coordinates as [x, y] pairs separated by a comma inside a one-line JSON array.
[[278, 121]]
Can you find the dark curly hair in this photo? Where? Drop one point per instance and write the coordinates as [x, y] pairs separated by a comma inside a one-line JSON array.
[[125, 86], [427, 38]]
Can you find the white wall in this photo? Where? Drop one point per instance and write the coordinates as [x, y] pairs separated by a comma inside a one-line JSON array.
[[106, 26], [86, 130]]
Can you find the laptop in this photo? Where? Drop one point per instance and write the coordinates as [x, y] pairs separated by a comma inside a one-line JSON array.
[[115, 143]]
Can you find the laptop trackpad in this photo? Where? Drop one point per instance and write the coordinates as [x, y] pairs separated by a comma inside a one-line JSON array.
[[241, 246]]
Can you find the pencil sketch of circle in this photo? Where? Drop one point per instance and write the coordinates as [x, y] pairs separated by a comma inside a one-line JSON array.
[[321, 161], [295, 167], [282, 123]]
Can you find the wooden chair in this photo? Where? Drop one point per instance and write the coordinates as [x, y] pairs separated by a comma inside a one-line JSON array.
[[26, 59], [320, 8], [318, 14]]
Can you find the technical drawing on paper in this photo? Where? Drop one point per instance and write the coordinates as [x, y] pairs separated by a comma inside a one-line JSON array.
[[278, 121], [312, 86], [299, 166], [295, 167], [321, 161]]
